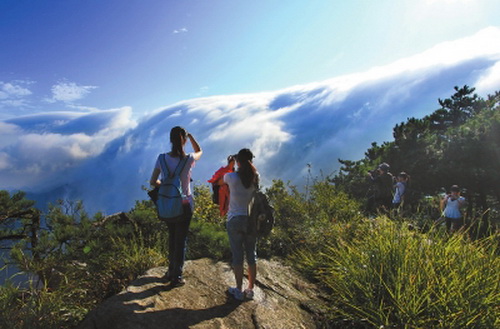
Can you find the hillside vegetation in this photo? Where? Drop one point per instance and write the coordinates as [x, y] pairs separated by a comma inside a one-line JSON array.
[[393, 270]]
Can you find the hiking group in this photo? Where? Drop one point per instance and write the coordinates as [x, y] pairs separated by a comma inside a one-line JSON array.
[[173, 197], [389, 194], [248, 213]]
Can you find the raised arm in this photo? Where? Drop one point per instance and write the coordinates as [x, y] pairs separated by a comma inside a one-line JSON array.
[[196, 147], [229, 168]]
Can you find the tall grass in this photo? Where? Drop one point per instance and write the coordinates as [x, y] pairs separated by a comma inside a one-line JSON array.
[[85, 261], [40, 307], [377, 273], [76, 287], [393, 277]]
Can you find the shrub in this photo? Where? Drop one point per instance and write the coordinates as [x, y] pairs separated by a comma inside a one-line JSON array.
[[305, 222], [208, 240], [390, 276]]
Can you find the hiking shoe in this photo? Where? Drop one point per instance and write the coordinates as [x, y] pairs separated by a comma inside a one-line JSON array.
[[248, 293], [236, 293], [177, 282], [167, 278]]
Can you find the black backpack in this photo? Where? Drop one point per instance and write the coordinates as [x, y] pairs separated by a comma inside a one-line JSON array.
[[215, 193], [261, 213]]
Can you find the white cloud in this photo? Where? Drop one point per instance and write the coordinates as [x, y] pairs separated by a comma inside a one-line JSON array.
[[287, 129], [12, 90], [83, 108], [14, 94], [14, 103], [4, 161], [69, 91], [8, 134], [40, 148], [484, 44], [203, 91], [490, 81], [181, 30]]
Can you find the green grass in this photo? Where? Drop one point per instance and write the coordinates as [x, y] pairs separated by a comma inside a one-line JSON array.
[[74, 288], [378, 273], [390, 276]]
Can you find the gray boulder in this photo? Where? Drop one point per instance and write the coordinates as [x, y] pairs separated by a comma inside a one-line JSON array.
[[282, 300]]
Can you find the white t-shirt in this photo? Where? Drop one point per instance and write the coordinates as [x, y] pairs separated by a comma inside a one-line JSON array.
[[172, 163], [452, 209], [400, 190], [239, 196]]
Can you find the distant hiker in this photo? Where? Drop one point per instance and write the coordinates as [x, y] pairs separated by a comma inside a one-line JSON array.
[[177, 160], [241, 231], [381, 198], [450, 207], [400, 188], [221, 192]]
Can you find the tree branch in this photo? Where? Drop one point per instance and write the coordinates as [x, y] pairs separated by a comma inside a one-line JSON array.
[[16, 215], [13, 237], [121, 216]]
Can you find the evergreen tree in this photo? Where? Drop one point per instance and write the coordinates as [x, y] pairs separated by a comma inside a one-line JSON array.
[[456, 144]]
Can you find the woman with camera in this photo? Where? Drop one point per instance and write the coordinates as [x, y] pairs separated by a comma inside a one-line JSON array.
[[177, 232], [452, 203]]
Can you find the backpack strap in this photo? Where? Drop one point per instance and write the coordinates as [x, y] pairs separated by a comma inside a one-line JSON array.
[[163, 164], [177, 171], [183, 161]]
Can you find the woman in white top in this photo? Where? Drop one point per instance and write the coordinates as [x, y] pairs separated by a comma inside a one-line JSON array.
[[452, 203], [402, 181], [241, 231], [177, 232]]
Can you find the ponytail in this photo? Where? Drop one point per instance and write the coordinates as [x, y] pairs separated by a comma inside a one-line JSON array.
[[177, 134], [246, 169]]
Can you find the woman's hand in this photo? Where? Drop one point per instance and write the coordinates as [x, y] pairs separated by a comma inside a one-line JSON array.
[[196, 147], [154, 181]]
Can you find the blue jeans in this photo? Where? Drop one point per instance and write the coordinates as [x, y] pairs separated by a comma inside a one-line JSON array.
[[242, 239], [177, 240]]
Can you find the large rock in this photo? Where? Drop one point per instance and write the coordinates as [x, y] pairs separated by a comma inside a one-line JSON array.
[[282, 300]]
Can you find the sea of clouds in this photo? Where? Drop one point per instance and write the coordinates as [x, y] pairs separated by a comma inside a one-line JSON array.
[[105, 157]]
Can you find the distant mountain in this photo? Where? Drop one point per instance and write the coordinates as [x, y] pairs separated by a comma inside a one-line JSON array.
[[104, 157]]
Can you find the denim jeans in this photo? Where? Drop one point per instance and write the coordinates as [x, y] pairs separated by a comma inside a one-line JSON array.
[[242, 239], [177, 240]]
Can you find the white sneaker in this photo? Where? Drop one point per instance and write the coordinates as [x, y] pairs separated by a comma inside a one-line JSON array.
[[248, 293], [236, 293]]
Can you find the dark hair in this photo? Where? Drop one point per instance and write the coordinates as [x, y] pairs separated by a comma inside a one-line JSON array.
[[455, 188], [384, 167], [175, 138], [246, 170], [405, 176]]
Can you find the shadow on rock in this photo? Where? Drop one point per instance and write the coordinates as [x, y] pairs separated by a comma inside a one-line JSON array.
[[203, 302]]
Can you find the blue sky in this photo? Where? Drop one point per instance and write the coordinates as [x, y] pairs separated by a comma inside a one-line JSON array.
[[92, 55], [90, 88]]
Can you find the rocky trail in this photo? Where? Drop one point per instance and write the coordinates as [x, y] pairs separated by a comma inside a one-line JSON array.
[[282, 300]]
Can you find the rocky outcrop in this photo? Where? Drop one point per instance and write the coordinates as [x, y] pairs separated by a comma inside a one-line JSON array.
[[282, 300]]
